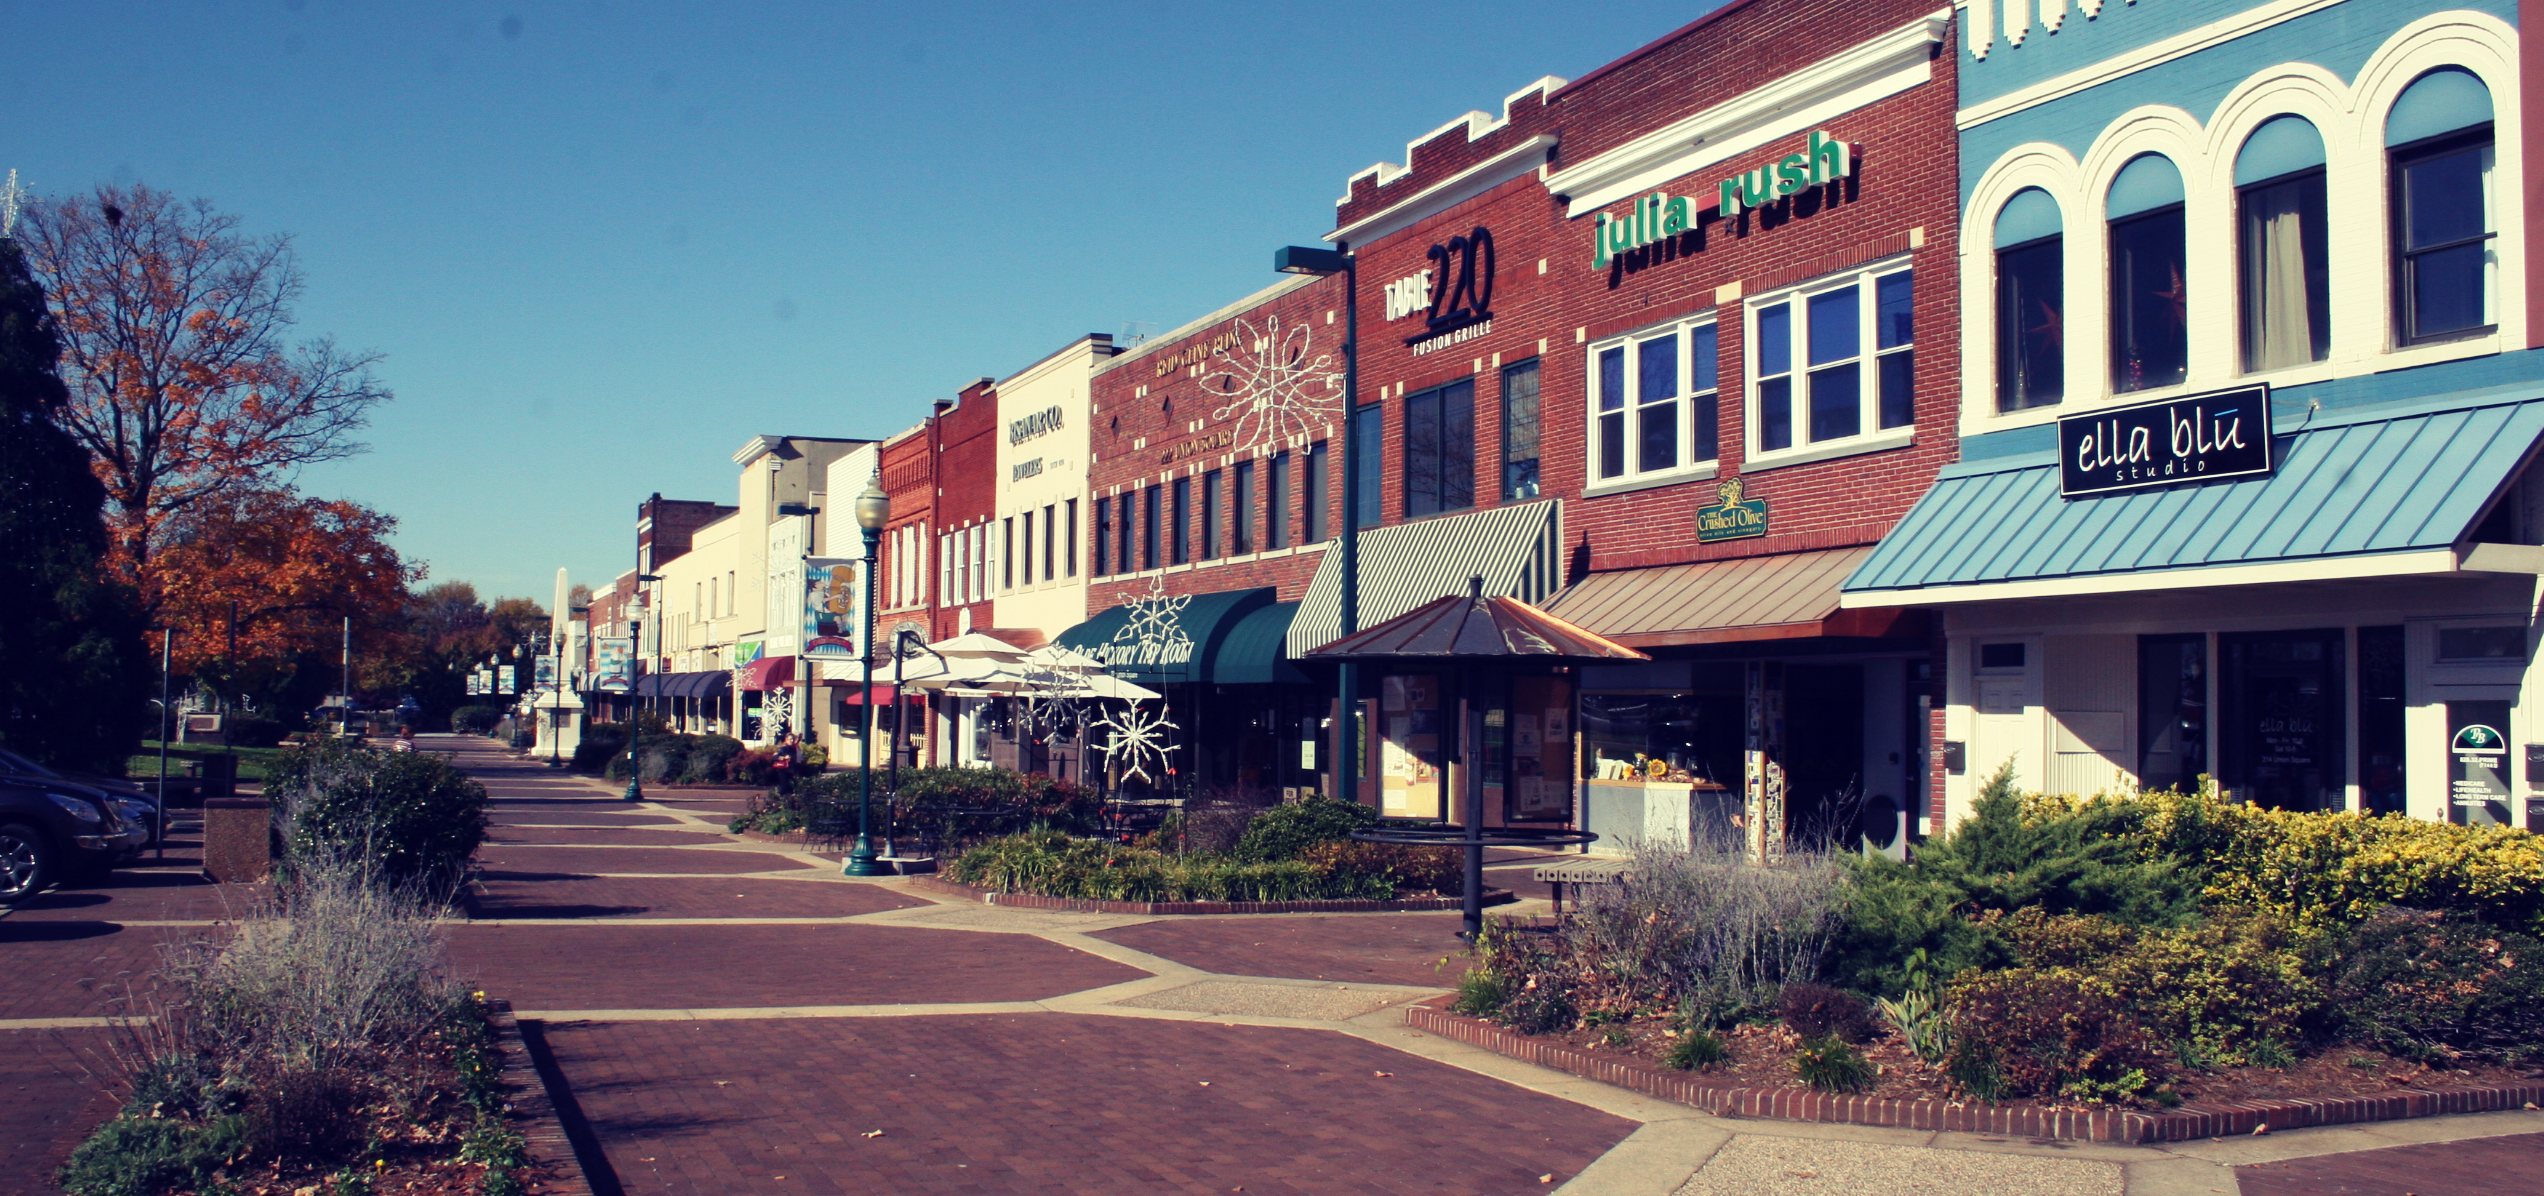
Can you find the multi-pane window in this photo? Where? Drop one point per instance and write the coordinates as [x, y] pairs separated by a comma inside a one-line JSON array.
[[1314, 493], [1148, 528], [1069, 539], [1103, 534], [1210, 515], [1368, 453], [2150, 315], [2031, 302], [1439, 449], [2446, 251], [1179, 523], [1654, 403], [1833, 360], [1519, 431], [1276, 503], [2285, 276], [1241, 509], [1007, 552]]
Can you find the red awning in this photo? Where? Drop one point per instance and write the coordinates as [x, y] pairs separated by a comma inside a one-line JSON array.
[[769, 672], [883, 694]]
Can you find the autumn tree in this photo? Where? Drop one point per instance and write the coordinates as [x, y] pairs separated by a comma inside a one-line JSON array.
[[258, 581], [73, 679], [185, 384]]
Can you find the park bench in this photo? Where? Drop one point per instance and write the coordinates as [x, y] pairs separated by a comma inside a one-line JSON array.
[[1578, 871]]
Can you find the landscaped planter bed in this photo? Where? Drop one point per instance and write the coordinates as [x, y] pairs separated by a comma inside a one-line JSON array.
[[1085, 906], [1759, 1083]]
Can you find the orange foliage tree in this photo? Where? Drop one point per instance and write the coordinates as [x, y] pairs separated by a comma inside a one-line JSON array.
[[257, 581], [185, 386]]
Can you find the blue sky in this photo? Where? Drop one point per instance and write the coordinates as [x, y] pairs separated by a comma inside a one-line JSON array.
[[604, 244]]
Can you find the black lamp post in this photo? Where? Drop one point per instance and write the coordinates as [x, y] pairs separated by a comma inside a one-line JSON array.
[[874, 509], [1303, 259], [635, 643]]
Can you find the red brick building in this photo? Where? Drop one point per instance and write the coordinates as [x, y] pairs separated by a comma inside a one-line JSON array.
[[1645, 348]]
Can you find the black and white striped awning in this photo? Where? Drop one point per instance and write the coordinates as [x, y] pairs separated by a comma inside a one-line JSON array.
[[1517, 550]]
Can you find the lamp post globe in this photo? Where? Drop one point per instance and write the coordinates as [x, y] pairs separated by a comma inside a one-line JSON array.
[[874, 509]]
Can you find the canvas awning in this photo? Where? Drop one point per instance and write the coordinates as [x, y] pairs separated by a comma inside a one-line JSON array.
[[1517, 550], [1473, 626], [1791, 595], [2389, 490], [1201, 626], [707, 684], [769, 672]]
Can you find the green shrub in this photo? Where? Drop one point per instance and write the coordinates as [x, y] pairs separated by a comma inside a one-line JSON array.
[[1538, 1006], [2440, 987], [601, 743], [475, 720], [2021, 1032], [1829, 1064], [412, 816], [251, 730], [147, 1156], [1051, 864], [706, 757], [1695, 1050], [1914, 1017], [967, 804], [1818, 1011], [1480, 993], [1402, 867], [2216, 990], [1283, 831]]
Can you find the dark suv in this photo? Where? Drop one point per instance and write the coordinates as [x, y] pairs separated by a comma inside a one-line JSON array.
[[51, 831], [131, 800]]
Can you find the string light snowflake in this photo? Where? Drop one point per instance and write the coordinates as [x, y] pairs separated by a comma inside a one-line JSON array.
[[1152, 630], [1276, 385], [1047, 701], [1140, 740]]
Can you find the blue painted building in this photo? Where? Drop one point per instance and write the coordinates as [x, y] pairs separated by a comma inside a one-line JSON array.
[[2249, 403]]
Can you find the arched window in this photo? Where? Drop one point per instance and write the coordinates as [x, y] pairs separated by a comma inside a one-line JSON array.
[[2031, 303], [2285, 272], [2446, 252], [2149, 308]]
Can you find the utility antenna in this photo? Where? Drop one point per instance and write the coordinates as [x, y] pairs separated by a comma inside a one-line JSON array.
[[11, 196]]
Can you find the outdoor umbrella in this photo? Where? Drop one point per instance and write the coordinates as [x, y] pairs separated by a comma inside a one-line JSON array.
[[1468, 631]]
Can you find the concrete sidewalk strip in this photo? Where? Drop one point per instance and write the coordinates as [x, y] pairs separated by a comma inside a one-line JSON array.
[[1320, 1002], [1759, 1165], [1656, 1160]]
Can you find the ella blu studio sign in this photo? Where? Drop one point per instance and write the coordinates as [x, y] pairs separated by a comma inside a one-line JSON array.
[[1660, 215], [2202, 438]]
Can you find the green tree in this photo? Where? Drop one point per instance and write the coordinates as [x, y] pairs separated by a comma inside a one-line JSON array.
[[74, 673]]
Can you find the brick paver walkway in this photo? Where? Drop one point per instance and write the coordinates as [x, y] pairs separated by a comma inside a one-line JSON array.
[[726, 1016]]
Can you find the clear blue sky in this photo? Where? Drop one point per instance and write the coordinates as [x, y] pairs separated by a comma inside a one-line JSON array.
[[603, 244]]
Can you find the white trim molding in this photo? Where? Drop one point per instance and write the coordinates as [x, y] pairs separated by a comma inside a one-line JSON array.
[[1449, 192], [1478, 124], [2416, 563], [1876, 69], [2157, 53]]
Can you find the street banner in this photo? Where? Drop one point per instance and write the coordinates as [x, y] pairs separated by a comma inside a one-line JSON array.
[[504, 678], [543, 673], [476, 682], [610, 675], [834, 598]]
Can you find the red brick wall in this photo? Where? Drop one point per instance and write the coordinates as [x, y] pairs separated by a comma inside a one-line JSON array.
[[908, 469], [967, 476]]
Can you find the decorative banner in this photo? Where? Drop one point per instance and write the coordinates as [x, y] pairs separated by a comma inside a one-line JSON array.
[[749, 652], [611, 672], [543, 674], [1729, 517], [504, 679], [833, 608], [476, 682], [2202, 438]]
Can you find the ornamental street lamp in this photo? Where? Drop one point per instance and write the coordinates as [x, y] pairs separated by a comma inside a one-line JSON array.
[[874, 509], [1303, 259], [635, 641]]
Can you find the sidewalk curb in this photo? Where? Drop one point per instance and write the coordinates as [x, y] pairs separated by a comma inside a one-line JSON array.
[[534, 1109]]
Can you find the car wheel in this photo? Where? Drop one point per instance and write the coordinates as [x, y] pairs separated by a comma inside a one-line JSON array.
[[26, 862]]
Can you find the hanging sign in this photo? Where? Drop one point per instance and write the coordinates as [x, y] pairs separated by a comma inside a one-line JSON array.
[[2203, 438], [1730, 517], [833, 608]]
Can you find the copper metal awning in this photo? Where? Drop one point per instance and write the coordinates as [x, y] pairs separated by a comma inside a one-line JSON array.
[[1791, 595], [1475, 627]]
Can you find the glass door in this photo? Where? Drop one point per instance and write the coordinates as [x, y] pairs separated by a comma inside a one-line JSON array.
[[2282, 733]]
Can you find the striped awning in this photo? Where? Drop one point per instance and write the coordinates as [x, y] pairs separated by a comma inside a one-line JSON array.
[[1517, 550]]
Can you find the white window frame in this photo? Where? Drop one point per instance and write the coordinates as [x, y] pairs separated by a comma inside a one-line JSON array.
[[1634, 477], [1869, 435]]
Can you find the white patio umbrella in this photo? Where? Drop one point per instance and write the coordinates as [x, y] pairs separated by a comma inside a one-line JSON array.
[[972, 645]]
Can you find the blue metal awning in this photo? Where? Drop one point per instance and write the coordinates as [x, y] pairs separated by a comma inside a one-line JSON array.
[[2353, 487]]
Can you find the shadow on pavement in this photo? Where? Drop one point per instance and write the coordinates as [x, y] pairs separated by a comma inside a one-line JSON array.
[[578, 1132], [55, 932]]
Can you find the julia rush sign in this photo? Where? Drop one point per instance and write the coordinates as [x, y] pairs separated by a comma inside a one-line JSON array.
[[2201, 438]]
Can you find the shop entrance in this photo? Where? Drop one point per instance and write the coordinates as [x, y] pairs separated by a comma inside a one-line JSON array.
[[2282, 731], [1824, 754]]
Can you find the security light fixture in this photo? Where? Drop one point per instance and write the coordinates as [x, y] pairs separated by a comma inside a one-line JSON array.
[[1307, 259]]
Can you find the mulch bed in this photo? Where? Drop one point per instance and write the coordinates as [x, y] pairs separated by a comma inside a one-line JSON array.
[[2342, 1085], [1086, 906]]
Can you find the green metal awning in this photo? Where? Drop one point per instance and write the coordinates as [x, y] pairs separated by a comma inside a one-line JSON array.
[[1175, 650], [2393, 489], [1251, 654]]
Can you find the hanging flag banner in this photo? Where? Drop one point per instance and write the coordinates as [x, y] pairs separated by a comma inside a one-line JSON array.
[[504, 679], [543, 674], [834, 597], [611, 674]]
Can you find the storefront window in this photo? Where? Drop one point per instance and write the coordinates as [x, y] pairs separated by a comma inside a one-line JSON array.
[[2281, 735], [1519, 431], [1539, 732], [1411, 731], [2446, 254], [1439, 449], [1655, 406], [2172, 711], [2031, 302], [2381, 733]]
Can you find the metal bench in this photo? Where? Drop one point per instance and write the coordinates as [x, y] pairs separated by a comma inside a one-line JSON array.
[[1580, 871]]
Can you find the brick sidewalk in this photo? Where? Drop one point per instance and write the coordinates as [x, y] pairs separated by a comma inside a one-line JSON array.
[[2482, 1167], [1356, 948]]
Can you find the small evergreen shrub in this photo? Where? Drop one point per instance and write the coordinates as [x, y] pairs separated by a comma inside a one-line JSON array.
[[2440, 987], [1480, 993], [1538, 1006], [1404, 867], [475, 720], [1829, 1064], [2022, 1032], [251, 730], [1696, 1050], [414, 816], [1282, 832], [1818, 1011]]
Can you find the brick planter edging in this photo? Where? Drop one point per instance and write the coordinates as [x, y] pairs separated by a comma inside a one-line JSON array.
[[1081, 905], [533, 1112], [2214, 1120]]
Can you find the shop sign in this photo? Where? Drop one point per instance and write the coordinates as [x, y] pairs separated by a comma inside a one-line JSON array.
[[1025, 469], [1031, 426], [1198, 352], [2202, 438], [1407, 295], [2477, 763], [1198, 444], [1461, 290], [1730, 517], [614, 668], [1660, 215], [749, 652]]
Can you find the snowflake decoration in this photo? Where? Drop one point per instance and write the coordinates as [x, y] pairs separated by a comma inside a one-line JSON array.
[[1275, 383], [777, 713], [1139, 740], [1152, 631], [1048, 701]]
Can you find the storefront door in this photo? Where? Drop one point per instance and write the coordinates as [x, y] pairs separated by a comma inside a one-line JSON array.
[[2282, 734]]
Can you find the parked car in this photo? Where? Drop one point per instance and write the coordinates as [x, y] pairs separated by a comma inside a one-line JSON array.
[[52, 831], [135, 801]]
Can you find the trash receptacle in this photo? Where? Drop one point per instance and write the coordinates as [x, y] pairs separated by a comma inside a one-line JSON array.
[[237, 839], [220, 776]]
